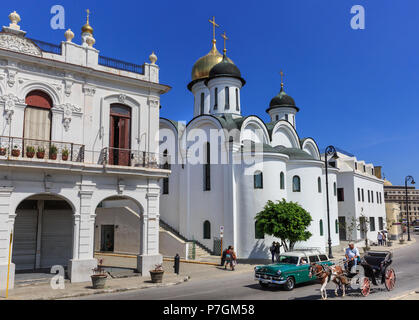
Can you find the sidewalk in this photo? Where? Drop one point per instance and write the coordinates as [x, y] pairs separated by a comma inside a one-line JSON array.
[[188, 272], [339, 254]]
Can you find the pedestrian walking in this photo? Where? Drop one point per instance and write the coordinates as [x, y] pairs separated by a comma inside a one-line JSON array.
[[272, 249], [277, 251], [380, 238], [228, 257], [233, 259], [384, 239], [223, 257]]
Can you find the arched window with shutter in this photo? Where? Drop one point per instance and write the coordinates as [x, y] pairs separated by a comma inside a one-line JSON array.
[[207, 230], [282, 181], [319, 185], [296, 184]]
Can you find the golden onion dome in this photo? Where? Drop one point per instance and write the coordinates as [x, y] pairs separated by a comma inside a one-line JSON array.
[[387, 183], [203, 65], [87, 27]]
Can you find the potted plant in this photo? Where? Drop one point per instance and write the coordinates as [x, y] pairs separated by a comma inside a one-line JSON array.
[[3, 151], [30, 151], [99, 276], [64, 154], [53, 151], [40, 152], [157, 274], [15, 151]]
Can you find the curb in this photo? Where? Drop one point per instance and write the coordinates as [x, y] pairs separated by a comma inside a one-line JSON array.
[[102, 291]]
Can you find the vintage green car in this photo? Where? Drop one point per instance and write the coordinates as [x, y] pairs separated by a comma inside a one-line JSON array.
[[291, 269]]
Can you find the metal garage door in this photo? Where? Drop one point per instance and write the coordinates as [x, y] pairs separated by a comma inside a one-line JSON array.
[[24, 239], [57, 234]]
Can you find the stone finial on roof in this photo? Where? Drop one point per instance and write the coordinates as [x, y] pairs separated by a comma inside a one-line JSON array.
[[14, 20]]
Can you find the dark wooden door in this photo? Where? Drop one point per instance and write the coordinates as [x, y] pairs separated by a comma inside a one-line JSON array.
[[120, 133], [342, 228]]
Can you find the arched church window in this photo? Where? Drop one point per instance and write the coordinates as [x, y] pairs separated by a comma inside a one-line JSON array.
[[207, 167], [276, 117], [259, 234], [207, 230], [319, 185], [202, 103], [166, 166], [237, 100], [282, 181], [286, 117], [37, 118], [321, 227], [216, 98], [258, 180], [334, 189], [227, 98], [296, 184], [336, 226]]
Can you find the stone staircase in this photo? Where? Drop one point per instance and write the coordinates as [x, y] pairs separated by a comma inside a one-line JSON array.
[[195, 249]]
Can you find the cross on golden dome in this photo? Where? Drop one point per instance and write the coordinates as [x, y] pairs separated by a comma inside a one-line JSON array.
[[213, 27], [282, 79], [87, 28]]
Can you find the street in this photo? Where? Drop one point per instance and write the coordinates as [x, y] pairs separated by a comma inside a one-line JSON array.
[[243, 287]]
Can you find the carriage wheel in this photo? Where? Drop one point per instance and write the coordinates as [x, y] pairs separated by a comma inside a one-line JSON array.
[[365, 287], [390, 279]]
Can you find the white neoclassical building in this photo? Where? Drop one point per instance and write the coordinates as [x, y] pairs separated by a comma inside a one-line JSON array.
[[77, 141], [212, 185]]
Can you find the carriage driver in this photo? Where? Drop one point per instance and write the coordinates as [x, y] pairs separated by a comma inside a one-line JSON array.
[[352, 257]]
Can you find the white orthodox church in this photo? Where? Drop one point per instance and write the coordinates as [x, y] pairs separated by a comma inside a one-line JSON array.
[[224, 192]]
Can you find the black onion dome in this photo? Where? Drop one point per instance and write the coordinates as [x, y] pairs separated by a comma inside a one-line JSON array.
[[282, 100], [225, 69]]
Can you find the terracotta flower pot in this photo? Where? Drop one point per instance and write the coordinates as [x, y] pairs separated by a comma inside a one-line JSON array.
[[30, 154], [53, 156], [64, 157], [3, 151], [98, 281], [156, 276], [15, 152], [40, 155]]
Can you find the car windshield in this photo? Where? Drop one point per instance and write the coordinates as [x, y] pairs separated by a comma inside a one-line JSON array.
[[288, 259]]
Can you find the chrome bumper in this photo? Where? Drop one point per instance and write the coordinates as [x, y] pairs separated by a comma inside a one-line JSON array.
[[269, 279]]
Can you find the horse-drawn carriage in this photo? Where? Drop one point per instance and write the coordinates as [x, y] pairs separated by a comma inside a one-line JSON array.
[[376, 267], [373, 267]]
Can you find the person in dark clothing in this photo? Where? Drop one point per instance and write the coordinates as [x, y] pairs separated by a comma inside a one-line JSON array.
[[277, 251], [223, 257], [272, 249]]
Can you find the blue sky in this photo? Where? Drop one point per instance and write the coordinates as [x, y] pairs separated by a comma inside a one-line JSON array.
[[356, 89]]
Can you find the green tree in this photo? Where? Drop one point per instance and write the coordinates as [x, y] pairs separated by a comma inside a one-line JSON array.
[[287, 221]]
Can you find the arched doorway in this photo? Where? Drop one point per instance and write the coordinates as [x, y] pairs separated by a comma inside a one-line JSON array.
[[43, 233], [118, 232]]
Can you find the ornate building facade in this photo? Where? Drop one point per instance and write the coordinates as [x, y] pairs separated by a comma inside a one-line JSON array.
[[77, 137]]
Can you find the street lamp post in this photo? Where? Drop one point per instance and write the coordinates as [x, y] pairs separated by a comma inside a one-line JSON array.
[[330, 151], [412, 181]]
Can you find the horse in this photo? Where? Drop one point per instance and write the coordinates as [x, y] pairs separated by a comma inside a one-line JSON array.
[[322, 272], [339, 278]]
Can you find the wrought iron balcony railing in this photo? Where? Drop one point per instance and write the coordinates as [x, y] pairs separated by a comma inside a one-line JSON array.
[[134, 158], [48, 47], [14, 147], [121, 65]]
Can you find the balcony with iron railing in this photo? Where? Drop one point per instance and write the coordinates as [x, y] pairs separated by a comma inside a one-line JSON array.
[[18, 149]]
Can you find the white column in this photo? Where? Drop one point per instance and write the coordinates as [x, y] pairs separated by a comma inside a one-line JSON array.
[[149, 249], [7, 219], [81, 266]]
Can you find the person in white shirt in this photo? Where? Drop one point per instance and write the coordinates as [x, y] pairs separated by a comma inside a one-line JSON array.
[[380, 239], [352, 256]]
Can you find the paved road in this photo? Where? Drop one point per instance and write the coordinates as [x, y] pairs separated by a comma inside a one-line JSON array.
[[242, 286]]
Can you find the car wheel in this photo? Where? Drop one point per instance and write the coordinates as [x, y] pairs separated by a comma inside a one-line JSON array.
[[289, 284], [263, 284]]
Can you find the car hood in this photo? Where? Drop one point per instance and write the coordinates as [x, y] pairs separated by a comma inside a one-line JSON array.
[[273, 268]]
